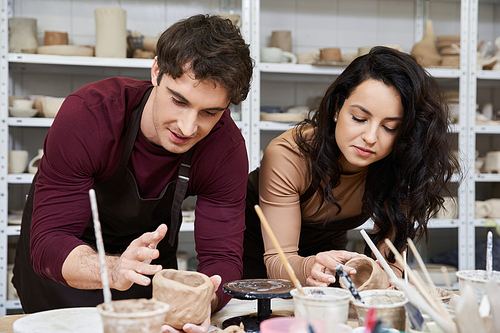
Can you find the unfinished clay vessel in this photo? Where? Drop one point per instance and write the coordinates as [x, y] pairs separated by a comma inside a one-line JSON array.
[[188, 294], [369, 275], [426, 51]]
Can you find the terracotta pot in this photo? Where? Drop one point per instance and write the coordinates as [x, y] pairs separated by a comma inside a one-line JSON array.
[[369, 275], [282, 39], [187, 293], [55, 38]]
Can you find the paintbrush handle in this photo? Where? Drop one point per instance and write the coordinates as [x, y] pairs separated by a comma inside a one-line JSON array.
[[348, 282], [489, 255], [283, 258], [379, 256]]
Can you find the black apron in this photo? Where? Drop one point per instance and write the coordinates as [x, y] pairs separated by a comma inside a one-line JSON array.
[[314, 238], [124, 216]]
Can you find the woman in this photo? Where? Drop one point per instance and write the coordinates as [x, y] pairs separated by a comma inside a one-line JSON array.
[[375, 148]]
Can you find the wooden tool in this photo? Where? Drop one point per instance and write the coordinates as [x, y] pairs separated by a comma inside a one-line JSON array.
[[100, 250], [283, 258]]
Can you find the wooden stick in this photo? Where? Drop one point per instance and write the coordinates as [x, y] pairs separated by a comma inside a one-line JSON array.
[[415, 279], [283, 258], [100, 250], [424, 269], [379, 256]]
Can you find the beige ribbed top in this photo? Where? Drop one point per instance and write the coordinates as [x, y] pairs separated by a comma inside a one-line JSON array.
[[283, 178]]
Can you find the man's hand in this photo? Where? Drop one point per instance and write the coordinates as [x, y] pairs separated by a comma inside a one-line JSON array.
[[323, 269], [205, 325], [134, 263]]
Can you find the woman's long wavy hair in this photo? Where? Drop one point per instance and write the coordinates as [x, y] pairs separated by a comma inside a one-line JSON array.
[[421, 163]]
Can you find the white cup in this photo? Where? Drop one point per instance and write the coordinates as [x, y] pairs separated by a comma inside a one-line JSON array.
[[276, 55], [22, 104], [308, 57], [18, 160]]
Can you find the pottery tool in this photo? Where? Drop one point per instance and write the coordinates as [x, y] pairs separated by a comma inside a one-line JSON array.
[[437, 306], [416, 298], [283, 258], [379, 256], [489, 255], [348, 282], [100, 250], [446, 277]]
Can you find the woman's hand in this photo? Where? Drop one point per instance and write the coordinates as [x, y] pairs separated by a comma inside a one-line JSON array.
[[205, 325], [323, 269]]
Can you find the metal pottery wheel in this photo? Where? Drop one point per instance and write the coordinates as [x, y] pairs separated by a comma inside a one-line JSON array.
[[263, 290]]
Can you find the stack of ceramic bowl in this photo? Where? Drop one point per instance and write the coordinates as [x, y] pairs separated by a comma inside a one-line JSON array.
[[450, 53]]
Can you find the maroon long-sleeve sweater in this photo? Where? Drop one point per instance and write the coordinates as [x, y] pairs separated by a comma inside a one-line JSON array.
[[84, 146]]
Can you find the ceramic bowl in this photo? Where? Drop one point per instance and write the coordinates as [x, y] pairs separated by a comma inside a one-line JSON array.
[[15, 112]]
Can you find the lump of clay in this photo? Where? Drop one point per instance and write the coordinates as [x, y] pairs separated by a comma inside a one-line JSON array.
[[369, 275], [187, 293]]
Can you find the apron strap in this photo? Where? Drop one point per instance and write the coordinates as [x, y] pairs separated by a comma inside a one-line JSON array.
[[180, 193]]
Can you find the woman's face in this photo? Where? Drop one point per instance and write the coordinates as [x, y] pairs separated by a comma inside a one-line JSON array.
[[367, 125]]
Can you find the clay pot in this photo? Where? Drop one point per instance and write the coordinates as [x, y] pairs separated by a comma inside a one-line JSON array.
[[17, 161], [188, 294], [282, 39], [33, 164], [110, 32], [22, 35], [426, 51], [55, 38], [369, 275]]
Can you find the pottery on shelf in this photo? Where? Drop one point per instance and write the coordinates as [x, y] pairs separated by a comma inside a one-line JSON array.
[[426, 51], [17, 161], [35, 161], [492, 162], [110, 32], [369, 275], [51, 106], [55, 38], [22, 35], [449, 210], [282, 39], [188, 294]]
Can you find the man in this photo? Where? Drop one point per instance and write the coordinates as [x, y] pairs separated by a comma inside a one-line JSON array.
[[143, 146]]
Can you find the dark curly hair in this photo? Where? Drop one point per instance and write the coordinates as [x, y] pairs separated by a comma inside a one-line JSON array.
[[213, 48], [411, 180]]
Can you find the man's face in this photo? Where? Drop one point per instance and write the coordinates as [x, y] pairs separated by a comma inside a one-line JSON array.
[[181, 112]]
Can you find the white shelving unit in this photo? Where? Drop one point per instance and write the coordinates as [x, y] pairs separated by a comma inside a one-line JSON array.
[[28, 74]]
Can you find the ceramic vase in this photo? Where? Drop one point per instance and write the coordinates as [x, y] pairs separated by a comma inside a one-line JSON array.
[[17, 161], [33, 164], [369, 275], [282, 39], [426, 51], [110, 32], [22, 35], [188, 294]]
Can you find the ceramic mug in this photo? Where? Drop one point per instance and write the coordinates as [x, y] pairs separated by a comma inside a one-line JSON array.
[[330, 54], [18, 160], [282, 39], [276, 55], [22, 104]]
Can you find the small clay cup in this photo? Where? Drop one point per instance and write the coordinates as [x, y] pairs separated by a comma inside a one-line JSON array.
[[133, 315], [188, 294], [369, 275], [55, 38]]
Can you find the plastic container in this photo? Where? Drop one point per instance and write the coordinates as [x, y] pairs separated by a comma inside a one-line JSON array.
[[324, 303], [134, 315], [388, 304], [477, 279], [291, 325]]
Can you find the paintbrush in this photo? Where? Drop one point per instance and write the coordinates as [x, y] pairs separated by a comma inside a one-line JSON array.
[[489, 255], [348, 282], [283, 258], [100, 250]]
